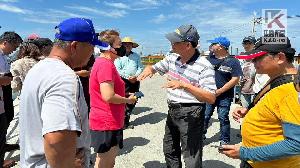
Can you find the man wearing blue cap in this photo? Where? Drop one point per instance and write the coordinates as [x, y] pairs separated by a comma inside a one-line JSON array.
[[227, 75], [53, 112]]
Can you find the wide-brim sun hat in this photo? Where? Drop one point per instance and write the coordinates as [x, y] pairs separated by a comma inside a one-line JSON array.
[[129, 40]]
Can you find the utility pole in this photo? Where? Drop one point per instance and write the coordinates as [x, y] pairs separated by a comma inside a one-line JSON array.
[[258, 20], [255, 22]]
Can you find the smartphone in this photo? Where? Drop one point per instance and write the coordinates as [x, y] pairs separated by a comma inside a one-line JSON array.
[[139, 94], [220, 148]]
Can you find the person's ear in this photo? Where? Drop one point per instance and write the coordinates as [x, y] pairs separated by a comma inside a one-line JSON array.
[[281, 58], [74, 46], [189, 45], [5, 43]]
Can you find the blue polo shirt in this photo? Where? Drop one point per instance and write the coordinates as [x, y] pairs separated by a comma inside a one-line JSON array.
[[229, 67]]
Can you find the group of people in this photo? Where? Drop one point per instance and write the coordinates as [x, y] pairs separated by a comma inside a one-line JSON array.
[[12, 77], [71, 101]]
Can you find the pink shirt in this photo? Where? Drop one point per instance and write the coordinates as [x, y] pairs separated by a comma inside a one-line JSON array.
[[104, 115]]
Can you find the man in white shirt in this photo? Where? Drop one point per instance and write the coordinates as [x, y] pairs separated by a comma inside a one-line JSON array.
[[53, 113], [9, 42]]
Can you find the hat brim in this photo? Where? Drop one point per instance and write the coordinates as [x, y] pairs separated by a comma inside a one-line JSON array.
[[101, 45], [251, 54], [174, 37], [134, 45]]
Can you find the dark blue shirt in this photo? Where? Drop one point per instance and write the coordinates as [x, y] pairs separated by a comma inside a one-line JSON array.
[[226, 68]]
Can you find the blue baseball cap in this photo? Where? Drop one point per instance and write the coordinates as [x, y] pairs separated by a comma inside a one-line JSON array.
[[79, 29], [223, 41]]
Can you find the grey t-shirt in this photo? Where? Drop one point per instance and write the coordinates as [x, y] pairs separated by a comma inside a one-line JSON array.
[[52, 99]]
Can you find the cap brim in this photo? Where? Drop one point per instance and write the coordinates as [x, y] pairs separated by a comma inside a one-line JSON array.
[[134, 45], [101, 45], [251, 54], [248, 40], [173, 37]]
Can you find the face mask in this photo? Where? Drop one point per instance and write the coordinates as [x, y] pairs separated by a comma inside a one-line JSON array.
[[121, 51]]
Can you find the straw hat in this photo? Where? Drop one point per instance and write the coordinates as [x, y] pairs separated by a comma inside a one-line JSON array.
[[129, 40]]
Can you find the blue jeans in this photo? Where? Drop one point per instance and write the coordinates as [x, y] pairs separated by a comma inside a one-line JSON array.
[[223, 108]]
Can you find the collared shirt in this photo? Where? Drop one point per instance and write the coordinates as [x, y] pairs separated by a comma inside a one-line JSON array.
[[248, 78], [197, 71], [130, 65], [4, 67]]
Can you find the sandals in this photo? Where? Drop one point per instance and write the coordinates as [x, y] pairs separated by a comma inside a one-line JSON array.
[[9, 163]]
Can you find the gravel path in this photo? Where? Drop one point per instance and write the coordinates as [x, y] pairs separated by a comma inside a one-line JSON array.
[[143, 144]]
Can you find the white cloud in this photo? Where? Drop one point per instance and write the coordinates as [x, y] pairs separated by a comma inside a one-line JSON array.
[[147, 4], [211, 18], [61, 14], [50, 16], [118, 5], [155, 2], [113, 13], [40, 20], [13, 9], [159, 19], [163, 18], [11, 1]]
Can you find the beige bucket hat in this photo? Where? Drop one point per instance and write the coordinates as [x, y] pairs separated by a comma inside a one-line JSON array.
[[129, 40]]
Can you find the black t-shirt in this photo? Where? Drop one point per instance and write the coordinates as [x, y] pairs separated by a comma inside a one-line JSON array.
[[226, 69], [85, 80]]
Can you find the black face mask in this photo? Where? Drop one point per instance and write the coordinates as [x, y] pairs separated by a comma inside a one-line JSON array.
[[121, 51]]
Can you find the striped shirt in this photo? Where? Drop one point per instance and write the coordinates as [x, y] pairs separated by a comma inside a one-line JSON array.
[[198, 71]]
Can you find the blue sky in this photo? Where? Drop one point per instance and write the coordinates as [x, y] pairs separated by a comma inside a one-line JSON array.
[[147, 21]]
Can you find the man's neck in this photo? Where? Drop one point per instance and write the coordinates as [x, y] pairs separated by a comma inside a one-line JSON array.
[[128, 53], [221, 55], [1, 49], [288, 69], [61, 55], [187, 56]]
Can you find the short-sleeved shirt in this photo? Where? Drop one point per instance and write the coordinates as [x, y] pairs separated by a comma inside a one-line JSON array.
[[197, 71], [4, 66], [51, 100], [129, 65], [228, 67], [104, 115], [275, 117], [248, 78]]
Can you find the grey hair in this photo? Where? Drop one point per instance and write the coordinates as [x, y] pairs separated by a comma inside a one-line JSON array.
[[61, 44]]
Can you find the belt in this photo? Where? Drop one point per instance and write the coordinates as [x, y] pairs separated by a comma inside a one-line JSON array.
[[180, 105]]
